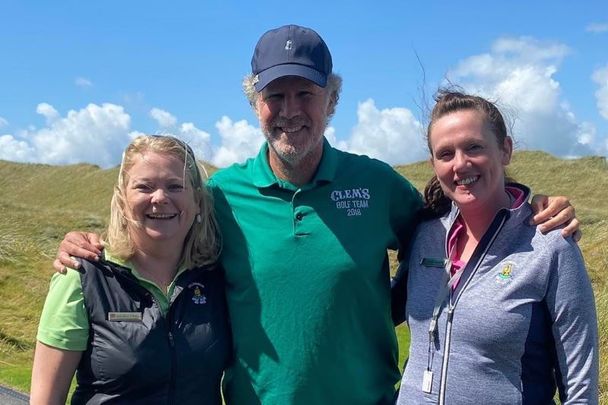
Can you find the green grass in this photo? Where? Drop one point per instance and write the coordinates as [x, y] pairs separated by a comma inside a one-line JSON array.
[[39, 203]]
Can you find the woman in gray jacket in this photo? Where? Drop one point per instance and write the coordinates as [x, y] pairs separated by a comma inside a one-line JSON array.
[[499, 313]]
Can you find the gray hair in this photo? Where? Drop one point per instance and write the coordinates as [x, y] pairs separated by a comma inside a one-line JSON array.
[[333, 88]]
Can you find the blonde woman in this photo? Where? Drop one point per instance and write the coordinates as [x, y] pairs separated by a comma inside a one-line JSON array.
[[148, 322]]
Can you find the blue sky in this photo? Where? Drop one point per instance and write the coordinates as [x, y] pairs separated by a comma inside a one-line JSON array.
[[79, 79]]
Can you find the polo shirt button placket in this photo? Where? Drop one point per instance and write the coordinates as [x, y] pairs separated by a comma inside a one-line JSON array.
[[298, 225]]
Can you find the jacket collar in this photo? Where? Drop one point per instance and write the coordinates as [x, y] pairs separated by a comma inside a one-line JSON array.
[[522, 211]]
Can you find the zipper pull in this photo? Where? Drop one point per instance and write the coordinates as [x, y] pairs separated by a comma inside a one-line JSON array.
[[432, 328], [171, 342]]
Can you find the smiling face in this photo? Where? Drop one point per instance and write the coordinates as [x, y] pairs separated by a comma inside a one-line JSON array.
[[159, 200], [468, 161], [293, 114]]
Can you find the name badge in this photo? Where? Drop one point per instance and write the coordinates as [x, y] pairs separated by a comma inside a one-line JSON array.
[[124, 316], [433, 262]]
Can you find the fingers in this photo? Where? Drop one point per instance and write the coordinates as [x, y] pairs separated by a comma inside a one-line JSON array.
[[552, 211], [77, 244], [549, 207], [95, 240], [563, 217], [539, 202], [81, 240], [572, 229], [65, 260], [85, 251], [59, 267], [84, 245]]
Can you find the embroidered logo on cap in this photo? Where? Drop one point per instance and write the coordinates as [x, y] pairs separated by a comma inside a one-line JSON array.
[[289, 45]]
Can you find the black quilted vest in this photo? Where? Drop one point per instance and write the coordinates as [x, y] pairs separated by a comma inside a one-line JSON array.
[[135, 354]]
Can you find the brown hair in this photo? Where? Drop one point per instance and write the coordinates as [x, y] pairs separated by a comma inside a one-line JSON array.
[[448, 101]]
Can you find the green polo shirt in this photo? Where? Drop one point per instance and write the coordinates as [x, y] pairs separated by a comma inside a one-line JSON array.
[[308, 279], [64, 322]]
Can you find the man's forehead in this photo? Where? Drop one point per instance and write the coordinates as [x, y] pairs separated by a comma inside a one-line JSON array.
[[290, 82]]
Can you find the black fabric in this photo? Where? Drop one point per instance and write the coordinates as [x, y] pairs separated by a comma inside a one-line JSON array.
[[174, 359], [539, 362], [399, 294]]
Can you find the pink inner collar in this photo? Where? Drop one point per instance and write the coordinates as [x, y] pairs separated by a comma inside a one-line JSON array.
[[517, 197]]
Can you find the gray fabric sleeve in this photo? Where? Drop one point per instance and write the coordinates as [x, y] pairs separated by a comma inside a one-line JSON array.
[[572, 306]]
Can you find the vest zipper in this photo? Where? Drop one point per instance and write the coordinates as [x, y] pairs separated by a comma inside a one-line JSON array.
[[171, 342], [173, 359]]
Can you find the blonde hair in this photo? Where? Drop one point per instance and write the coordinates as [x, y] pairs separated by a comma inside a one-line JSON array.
[[202, 243]]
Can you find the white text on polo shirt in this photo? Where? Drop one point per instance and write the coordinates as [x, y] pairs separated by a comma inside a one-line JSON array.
[[352, 200]]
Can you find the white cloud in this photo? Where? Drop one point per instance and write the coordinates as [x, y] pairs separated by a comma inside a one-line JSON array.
[[48, 111], [134, 134], [164, 118], [83, 82], [3, 122], [199, 140], [597, 28], [98, 135], [600, 76], [530, 49], [239, 141], [16, 150], [330, 135], [95, 134], [393, 134], [519, 73]]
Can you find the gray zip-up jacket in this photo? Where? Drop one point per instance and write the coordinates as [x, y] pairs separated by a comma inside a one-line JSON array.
[[520, 321]]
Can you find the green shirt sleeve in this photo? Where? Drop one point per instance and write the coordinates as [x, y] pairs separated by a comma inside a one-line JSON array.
[[64, 322], [405, 205]]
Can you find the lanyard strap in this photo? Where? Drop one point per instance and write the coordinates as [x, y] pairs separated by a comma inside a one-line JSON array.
[[448, 281]]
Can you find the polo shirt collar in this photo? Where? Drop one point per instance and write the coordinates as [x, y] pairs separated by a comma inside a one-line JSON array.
[[264, 177], [128, 265]]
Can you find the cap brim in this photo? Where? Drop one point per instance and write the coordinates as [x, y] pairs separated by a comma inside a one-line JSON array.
[[276, 72]]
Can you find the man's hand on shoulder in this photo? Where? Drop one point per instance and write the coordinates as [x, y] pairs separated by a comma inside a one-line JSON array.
[[85, 245], [551, 212]]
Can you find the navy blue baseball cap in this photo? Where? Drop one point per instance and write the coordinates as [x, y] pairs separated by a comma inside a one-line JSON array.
[[290, 50]]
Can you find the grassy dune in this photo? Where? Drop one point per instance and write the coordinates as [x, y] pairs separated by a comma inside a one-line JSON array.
[[39, 203]]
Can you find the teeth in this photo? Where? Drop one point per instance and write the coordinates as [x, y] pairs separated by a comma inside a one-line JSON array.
[[161, 216], [290, 130], [467, 181]]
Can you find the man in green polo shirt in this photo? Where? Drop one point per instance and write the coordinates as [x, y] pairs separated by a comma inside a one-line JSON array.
[[305, 231]]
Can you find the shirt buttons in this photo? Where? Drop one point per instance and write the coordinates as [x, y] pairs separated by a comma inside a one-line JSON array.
[[299, 216]]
